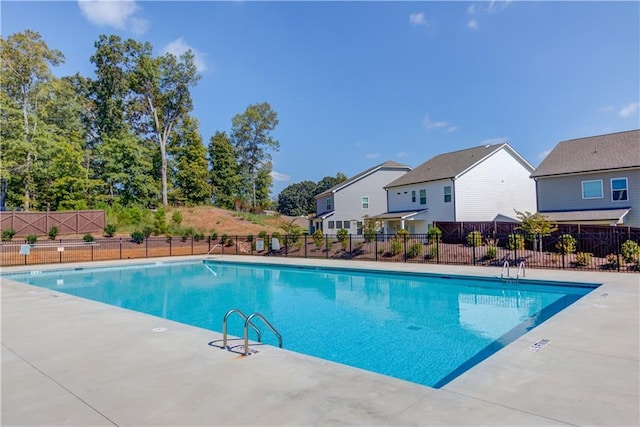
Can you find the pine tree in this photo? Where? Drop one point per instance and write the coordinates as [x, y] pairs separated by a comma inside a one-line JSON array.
[[223, 177], [191, 171]]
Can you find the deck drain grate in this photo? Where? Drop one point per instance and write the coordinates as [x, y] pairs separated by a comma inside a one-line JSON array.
[[539, 345], [160, 329]]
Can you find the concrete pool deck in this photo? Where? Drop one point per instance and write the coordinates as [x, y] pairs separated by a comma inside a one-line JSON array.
[[74, 362]]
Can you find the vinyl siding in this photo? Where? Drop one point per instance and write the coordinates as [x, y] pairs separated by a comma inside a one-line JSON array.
[[496, 186], [437, 210], [564, 193]]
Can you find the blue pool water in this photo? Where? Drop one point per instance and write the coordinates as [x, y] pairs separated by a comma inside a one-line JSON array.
[[418, 327]]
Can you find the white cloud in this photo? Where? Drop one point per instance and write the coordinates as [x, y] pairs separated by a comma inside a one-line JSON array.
[[429, 124], [543, 154], [372, 155], [472, 24], [277, 176], [472, 9], [178, 47], [629, 109], [402, 154], [121, 14], [418, 19], [452, 129]]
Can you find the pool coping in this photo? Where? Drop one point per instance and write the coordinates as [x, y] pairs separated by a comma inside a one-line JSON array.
[[54, 371]]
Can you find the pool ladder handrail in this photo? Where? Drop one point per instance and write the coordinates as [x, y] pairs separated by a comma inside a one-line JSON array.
[[215, 246], [246, 331], [505, 268], [244, 317], [520, 270]]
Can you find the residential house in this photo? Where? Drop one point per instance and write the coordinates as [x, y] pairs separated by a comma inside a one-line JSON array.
[[594, 180], [486, 183], [348, 203]]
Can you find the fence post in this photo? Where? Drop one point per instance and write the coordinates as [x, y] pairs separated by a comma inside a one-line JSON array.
[[437, 249], [171, 244], [146, 247], [305, 245], [60, 244], [617, 248], [326, 245], [121, 248], [92, 251], [563, 250], [375, 245], [350, 253], [236, 245], [208, 245], [191, 245], [286, 245], [474, 249]]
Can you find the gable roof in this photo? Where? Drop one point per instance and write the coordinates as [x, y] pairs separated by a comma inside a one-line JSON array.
[[454, 164], [388, 164], [595, 153]]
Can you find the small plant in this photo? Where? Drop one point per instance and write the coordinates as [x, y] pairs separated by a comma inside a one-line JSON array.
[[176, 218], [515, 241], [250, 238], [566, 244], [414, 250], [110, 230], [53, 232], [434, 234], [160, 222], [198, 236], [276, 235], [230, 242], [262, 234], [630, 251], [88, 238], [213, 235], [224, 239], [31, 239], [474, 238], [8, 234], [343, 237], [491, 252], [433, 253], [396, 247], [612, 262], [147, 231], [402, 232], [138, 236], [318, 238], [583, 259]]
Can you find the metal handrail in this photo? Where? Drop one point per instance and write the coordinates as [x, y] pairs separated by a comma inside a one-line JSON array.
[[246, 331], [505, 267], [215, 246], [520, 269], [224, 326]]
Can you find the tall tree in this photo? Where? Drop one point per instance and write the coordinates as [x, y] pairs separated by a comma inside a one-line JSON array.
[[251, 136], [263, 184], [26, 62], [297, 199], [223, 177], [163, 83], [191, 171], [329, 181]]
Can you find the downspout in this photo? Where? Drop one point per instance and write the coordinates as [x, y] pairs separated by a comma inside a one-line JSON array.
[[453, 197]]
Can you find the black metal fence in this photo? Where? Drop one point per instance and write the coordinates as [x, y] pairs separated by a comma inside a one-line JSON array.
[[580, 251]]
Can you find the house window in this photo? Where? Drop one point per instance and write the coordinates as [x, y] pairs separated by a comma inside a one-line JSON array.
[[329, 204], [346, 224], [365, 202], [413, 196], [619, 189], [592, 189], [338, 224], [331, 224], [423, 197], [447, 194]]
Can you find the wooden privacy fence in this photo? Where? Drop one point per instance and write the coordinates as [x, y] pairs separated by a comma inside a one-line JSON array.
[[39, 223]]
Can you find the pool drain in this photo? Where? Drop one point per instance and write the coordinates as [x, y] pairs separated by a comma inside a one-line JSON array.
[[539, 345], [159, 329]]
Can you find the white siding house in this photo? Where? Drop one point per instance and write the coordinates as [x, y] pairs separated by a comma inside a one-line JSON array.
[[346, 204], [593, 180], [486, 183]]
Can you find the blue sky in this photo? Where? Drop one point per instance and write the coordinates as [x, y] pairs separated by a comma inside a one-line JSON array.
[[359, 83]]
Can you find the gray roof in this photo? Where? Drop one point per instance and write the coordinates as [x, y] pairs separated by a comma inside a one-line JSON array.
[[592, 215], [451, 165], [389, 164], [604, 152]]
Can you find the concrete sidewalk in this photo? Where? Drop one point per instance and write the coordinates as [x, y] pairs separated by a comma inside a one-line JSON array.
[[73, 362]]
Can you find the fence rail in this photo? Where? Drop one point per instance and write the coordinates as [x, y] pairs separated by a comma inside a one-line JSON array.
[[39, 223], [584, 251]]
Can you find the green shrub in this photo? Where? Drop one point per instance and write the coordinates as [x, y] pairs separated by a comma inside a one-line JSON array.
[[402, 232], [276, 235], [369, 234], [8, 234], [515, 241], [433, 252], [198, 236], [137, 236], [474, 238], [230, 242], [88, 238], [213, 235], [342, 235], [566, 244], [262, 234], [176, 218], [491, 252], [160, 222], [224, 239], [612, 262], [147, 231], [434, 234], [31, 239], [110, 230], [318, 238], [250, 238], [53, 232], [583, 259], [630, 251], [396, 247], [414, 250]]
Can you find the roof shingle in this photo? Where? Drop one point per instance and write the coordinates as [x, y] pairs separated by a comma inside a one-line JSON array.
[[602, 152]]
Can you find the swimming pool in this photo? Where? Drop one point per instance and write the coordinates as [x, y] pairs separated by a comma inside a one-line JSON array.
[[422, 328]]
